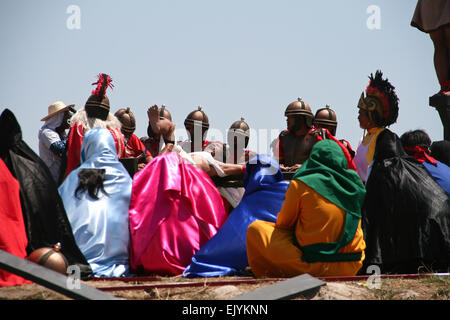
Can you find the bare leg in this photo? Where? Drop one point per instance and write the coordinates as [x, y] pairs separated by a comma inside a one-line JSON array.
[[441, 57], [447, 44], [167, 129]]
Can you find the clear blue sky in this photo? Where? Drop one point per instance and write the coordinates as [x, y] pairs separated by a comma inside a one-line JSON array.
[[247, 58]]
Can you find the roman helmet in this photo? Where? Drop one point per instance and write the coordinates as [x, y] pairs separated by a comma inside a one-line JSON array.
[[239, 129], [164, 113], [380, 101], [50, 258], [97, 105], [127, 119], [326, 118], [197, 118], [299, 109]]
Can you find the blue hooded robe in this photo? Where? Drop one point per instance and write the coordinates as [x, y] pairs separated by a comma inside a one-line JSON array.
[[100, 226], [225, 254]]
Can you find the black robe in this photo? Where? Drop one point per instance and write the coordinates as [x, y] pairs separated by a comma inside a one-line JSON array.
[[45, 218], [406, 214]]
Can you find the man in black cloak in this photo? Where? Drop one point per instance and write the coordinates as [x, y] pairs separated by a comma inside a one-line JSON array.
[[406, 214], [45, 218]]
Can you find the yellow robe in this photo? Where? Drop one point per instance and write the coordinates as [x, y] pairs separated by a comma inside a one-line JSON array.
[[371, 137], [270, 248], [365, 152]]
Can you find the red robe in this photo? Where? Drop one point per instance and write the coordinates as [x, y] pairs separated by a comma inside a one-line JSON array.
[[345, 149], [75, 141], [134, 149], [13, 237]]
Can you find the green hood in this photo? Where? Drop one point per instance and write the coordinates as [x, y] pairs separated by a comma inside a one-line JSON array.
[[326, 173]]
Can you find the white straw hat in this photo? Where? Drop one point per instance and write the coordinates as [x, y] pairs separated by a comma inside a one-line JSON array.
[[56, 108]]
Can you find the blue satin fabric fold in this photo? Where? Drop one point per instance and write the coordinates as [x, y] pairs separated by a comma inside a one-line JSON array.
[[225, 254], [101, 227]]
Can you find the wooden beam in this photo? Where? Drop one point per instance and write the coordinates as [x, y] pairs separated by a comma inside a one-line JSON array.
[[442, 105], [50, 279], [302, 285], [236, 181]]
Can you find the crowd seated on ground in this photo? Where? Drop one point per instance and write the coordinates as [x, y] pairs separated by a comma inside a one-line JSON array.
[[340, 211]]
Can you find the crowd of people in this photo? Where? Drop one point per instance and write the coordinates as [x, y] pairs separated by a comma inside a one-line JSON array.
[[117, 205], [313, 206]]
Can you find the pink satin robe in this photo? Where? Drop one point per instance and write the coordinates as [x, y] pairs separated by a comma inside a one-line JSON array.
[[175, 208]]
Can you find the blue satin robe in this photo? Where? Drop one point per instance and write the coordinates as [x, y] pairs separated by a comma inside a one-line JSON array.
[[101, 226], [225, 254]]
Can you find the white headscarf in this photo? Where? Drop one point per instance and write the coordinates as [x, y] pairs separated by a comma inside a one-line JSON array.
[[54, 122], [47, 134]]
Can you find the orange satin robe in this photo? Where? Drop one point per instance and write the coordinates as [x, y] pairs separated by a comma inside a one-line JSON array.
[[314, 219]]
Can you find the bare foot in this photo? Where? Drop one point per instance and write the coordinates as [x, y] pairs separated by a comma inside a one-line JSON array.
[[153, 119]]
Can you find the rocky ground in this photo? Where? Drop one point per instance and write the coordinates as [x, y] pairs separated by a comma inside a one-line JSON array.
[[172, 288]]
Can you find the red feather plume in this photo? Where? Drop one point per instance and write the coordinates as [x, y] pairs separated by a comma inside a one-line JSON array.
[[104, 81]]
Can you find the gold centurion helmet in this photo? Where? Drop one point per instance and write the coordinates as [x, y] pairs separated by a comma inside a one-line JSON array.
[[373, 104], [380, 101]]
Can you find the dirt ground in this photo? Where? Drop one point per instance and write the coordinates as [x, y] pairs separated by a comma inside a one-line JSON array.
[[426, 288]]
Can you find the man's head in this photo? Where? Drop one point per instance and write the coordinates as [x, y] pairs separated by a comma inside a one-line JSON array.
[[196, 123], [128, 121], [59, 114], [239, 134], [299, 115], [417, 143], [416, 138], [380, 102], [326, 118], [364, 121], [97, 105]]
